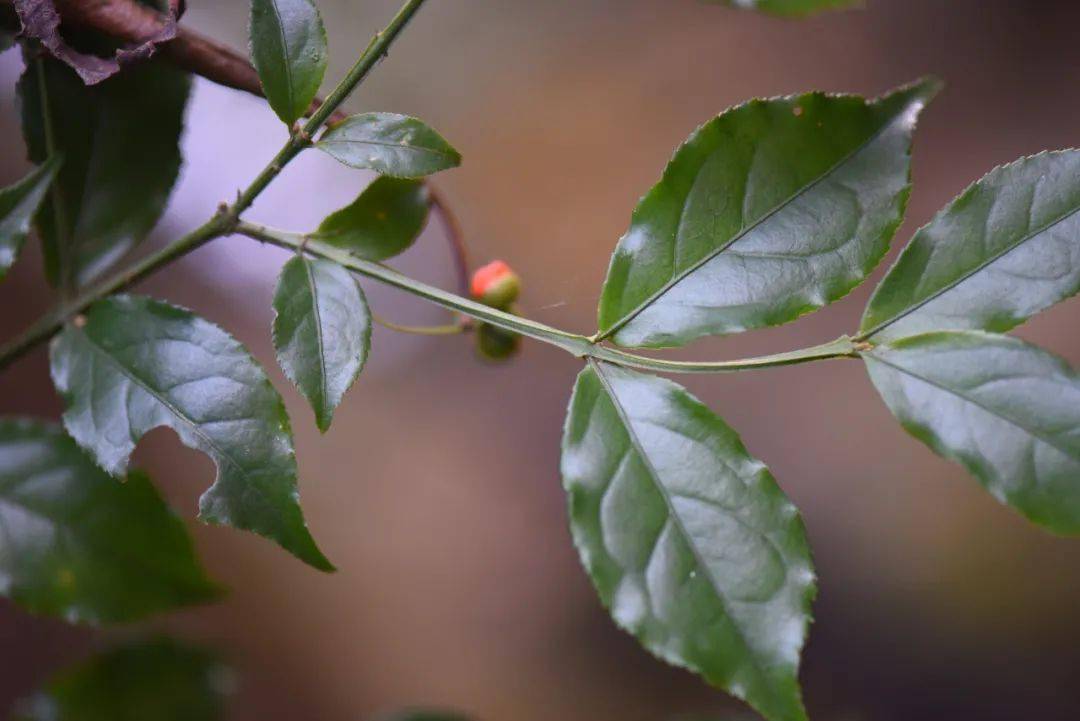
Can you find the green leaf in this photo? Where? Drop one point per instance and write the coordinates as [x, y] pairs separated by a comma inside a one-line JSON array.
[[156, 680], [793, 8], [383, 222], [1006, 410], [322, 331], [689, 541], [1005, 249], [120, 144], [424, 715], [77, 543], [288, 48], [18, 203], [138, 363], [768, 211], [390, 144]]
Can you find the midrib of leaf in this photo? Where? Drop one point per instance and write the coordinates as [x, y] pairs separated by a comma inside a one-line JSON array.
[[56, 194], [399, 146], [654, 476], [134, 378], [978, 404], [285, 55], [967, 274], [679, 277], [92, 163], [315, 310]]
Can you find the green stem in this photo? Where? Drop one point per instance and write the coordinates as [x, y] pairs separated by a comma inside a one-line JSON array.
[[375, 51], [448, 329], [577, 345], [368, 59], [226, 218], [842, 347], [49, 324], [570, 342]]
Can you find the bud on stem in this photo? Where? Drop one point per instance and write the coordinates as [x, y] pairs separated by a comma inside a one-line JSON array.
[[498, 286]]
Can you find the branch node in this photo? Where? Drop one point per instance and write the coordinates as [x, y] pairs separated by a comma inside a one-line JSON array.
[[227, 216], [301, 135]]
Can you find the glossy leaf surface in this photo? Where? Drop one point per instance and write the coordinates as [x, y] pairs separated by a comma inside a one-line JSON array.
[[288, 48], [322, 331], [157, 680], [689, 541], [1005, 249], [120, 144], [1008, 411], [81, 545], [138, 363], [390, 144], [382, 222], [793, 8], [768, 211], [18, 203]]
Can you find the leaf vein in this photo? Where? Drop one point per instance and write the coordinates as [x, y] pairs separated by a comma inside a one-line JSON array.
[[679, 277], [672, 515]]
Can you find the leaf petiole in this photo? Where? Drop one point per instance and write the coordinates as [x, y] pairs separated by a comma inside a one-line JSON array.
[[447, 329], [573, 343]]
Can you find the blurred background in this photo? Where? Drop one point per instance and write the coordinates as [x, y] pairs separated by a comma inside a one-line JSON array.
[[437, 491]]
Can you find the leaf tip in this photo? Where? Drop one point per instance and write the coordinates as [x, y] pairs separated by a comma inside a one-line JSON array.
[[928, 86], [318, 561]]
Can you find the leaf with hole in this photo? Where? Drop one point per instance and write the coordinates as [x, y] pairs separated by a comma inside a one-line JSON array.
[[288, 49], [1006, 410], [382, 222], [1005, 249], [389, 144], [770, 210], [120, 145], [322, 331], [79, 544], [153, 680], [138, 363], [18, 203], [689, 541]]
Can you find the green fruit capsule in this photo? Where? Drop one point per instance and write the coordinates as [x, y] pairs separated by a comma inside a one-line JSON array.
[[494, 343]]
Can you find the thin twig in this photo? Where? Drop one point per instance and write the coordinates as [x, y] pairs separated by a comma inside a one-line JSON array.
[[228, 216], [133, 22], [577, 345], [454, 236], [448, 329]]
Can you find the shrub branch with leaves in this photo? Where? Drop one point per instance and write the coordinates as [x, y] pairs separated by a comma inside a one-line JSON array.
[[773, 209]]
